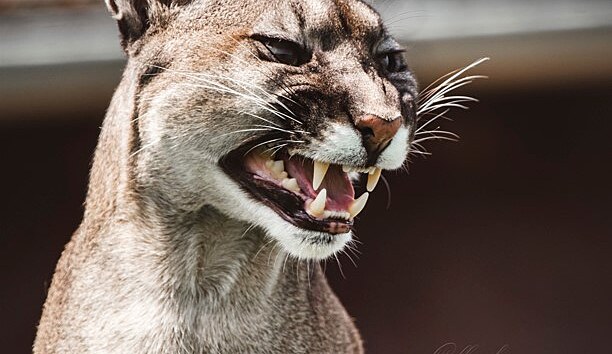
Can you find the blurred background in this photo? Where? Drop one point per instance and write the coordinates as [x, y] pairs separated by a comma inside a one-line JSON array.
[[501, 242]]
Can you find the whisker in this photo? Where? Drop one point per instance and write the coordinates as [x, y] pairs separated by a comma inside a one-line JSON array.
[[349, 257], [219, 87], [438, 131], [434, 137], [260, 144], [388, 188], [339, 265], [242, 131], [433, 97], [436, 117], [275, 149], [413, 151], [268, 75], [262, 104]]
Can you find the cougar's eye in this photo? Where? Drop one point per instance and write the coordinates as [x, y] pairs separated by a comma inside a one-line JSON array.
[[393, 62], [284, 51]]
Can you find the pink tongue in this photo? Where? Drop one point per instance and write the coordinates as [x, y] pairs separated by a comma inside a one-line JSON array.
[[340, 192]]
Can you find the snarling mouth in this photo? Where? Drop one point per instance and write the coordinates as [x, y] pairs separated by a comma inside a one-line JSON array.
[[312, 195]]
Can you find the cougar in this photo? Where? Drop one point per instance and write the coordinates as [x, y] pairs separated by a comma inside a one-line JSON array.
[[224, 172]]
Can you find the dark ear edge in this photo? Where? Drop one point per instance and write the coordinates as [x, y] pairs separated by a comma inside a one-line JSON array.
[[132, 18]]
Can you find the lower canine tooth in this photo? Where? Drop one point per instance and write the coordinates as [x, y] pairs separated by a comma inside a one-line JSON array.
[[373, 179], [317, 207], [358, 204], [290, 184]]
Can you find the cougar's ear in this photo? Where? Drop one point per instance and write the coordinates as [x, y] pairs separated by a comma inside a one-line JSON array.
[[134, 17]]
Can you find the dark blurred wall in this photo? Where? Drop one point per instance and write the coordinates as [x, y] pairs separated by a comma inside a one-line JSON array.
[[501, 239]]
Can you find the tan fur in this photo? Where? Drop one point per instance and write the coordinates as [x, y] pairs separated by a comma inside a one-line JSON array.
[[172, 256]]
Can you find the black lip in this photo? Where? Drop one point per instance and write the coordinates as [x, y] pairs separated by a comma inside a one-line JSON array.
[[286, 204]]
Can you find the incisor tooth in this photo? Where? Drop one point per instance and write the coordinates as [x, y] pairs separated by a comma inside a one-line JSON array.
[[320, 169], [358, 204], [317, 207], [290, 184], [278, 166], [373, 179], [346, 169]]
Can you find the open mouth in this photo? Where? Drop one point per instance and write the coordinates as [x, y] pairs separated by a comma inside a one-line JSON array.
[[313, 195]]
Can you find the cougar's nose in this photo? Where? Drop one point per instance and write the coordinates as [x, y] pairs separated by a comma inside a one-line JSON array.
[[377, 132]]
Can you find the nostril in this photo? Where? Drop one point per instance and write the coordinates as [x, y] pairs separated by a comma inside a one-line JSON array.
[[366, 132], [377, 132]]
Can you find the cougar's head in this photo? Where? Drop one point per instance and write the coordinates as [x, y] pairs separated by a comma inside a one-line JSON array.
[[268, 110]]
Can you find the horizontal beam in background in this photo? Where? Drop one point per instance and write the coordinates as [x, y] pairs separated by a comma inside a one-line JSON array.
[[66, 61]]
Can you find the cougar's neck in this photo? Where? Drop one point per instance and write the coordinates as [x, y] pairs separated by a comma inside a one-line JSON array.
[[199, 254], [109, 185]]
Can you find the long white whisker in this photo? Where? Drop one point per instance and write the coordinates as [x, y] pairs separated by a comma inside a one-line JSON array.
[[339, 265], [258, 117], [257, 101], [434, 137], [271, 96], [243, 131], [260, 144], [217, 86], [460, 72], [349, 257], [438, 131], [436, 117], [273, 128], [249, 51], [438, 97], [414, 151], [276, 149], [420, 147]]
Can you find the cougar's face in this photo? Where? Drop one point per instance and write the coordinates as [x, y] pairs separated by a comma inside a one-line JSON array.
[[270, 111]]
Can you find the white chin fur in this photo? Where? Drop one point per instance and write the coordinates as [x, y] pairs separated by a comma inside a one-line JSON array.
[[300, 243], [394, 155], [307, 244]]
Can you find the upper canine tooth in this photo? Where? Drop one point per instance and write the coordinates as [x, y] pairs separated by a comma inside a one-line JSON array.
[[320, 169], [373, 179], [346, 169], [317, 206], [358, 204]]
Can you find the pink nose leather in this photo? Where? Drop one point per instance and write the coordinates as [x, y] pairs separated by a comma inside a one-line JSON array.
[[377, 132]]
